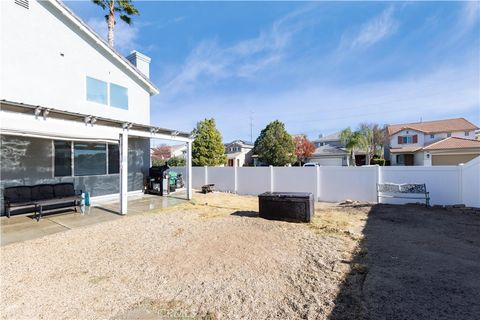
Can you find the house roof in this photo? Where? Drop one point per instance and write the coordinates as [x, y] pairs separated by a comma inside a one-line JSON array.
[[405, 149], [328, 150], [331, 137], [447, 125], [242, 142], [60, 6], [454, 143]]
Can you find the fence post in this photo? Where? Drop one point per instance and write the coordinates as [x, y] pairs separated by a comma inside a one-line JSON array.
[[317, 176], [205, 175], [271, 178], [378, 179], [460, 183], [235, 183]]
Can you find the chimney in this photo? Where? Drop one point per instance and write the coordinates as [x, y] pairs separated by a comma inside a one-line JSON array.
[[141, 61]]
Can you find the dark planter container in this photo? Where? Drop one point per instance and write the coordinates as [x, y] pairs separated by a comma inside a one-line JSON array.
[[289, 206]]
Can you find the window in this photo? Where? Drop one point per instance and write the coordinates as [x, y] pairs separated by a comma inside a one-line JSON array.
[[96, 91], [90, 158], [62, 158], [449, 135], [118, 96], [407, 139], [113, 159], [467, 133], [432, 136]]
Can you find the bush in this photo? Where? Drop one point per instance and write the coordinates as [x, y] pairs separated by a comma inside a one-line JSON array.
[[380, 162]]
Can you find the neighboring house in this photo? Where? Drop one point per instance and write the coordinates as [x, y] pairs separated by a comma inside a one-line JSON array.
[[330, 151], [331, 139], [441, 142], [72, 108], [239, 153], [179, 151], [328, 155]]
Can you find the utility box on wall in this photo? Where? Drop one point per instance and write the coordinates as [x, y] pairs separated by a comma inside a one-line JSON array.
[[290, 206]]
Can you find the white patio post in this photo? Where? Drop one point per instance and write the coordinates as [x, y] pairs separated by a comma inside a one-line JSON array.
[[123, 172], [189, 171]]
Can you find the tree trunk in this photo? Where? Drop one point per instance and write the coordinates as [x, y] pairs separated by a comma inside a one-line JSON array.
[[354, 163], [111, 23]]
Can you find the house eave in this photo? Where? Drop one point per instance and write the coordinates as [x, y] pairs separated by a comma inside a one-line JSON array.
[[63, 9], [140, 129]]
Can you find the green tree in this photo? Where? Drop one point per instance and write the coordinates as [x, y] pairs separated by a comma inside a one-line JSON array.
[[176, 162], [207, 149], [353, 140], [124, 8], [275, 146]]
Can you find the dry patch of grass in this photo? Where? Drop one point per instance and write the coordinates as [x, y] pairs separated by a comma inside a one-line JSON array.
[[335, 220]]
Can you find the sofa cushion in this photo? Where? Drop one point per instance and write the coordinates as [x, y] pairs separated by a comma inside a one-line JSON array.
[[42, 192], [62, 190], [18, 194]]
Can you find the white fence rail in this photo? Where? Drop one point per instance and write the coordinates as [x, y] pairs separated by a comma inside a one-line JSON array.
[[446, 184]]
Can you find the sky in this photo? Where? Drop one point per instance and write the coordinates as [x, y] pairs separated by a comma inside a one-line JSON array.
[[319, 67]]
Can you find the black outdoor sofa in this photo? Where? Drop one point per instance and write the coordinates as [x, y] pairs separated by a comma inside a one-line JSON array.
[[37, 198]]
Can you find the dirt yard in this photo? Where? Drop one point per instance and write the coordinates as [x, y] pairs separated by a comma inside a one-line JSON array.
[[215, 259]]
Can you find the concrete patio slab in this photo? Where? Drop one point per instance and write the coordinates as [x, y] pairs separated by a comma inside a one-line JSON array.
[[25, 227]]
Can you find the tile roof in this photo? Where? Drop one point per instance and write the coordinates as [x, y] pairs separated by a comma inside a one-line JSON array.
[[405, 149], [447, 125], [454, 143], [328, 150]]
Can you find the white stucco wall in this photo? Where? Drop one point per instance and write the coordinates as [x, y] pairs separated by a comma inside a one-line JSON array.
[[426, 138], [33, 70], [418, 159], [394, 139]]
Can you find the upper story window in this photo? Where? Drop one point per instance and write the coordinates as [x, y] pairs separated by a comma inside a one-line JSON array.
[[97, 91], [107, 93], [407, 139], [467, 133], [118, 96], [432, 136], [449, 135]]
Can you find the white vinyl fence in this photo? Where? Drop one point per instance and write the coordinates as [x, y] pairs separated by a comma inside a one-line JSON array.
[[446, 184]]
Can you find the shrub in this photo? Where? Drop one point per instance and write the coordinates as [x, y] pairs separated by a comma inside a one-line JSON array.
[[380, 162]]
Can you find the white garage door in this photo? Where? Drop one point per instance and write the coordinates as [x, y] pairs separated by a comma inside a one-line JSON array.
[[330, 162]]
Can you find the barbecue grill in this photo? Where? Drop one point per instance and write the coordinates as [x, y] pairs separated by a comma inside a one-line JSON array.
[[154, 183]]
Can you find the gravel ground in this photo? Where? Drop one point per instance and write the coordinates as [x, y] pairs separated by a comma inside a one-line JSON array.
[[214, 259], [201, 261]]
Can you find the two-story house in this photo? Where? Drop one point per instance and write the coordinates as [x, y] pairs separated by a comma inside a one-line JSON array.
[[441, 142], [330, 151], [72, 108], [239, 153]]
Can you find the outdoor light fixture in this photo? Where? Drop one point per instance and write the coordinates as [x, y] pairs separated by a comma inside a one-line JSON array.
[[153, 130], [90, 120], [175, 133], [38, 110], [127, 125], [45, 113]]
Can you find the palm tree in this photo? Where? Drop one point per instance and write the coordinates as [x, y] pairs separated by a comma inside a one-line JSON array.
[[125, 8], [352, 141]]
